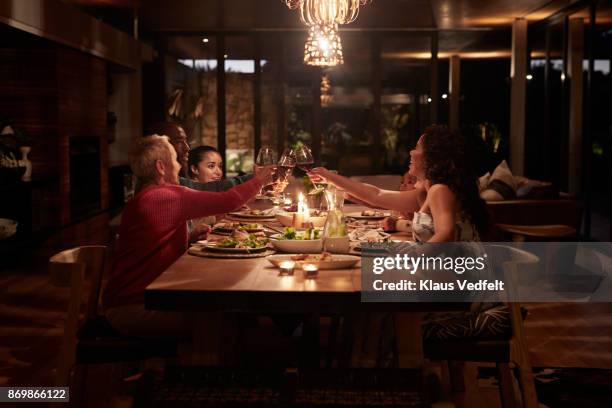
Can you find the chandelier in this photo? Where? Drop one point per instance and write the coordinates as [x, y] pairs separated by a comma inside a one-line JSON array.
[[323, 47], [325, 12]]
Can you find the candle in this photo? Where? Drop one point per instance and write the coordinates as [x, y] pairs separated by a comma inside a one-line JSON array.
[[286, 268], [298, 220], [302, 216], [300, 207], [310, 270]]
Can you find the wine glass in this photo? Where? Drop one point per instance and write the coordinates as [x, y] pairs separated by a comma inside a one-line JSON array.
[[303, 158], [265, 157], [284, 168], [305, 161]]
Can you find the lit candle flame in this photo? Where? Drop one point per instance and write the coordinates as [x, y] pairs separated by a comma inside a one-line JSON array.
[[300, 207]]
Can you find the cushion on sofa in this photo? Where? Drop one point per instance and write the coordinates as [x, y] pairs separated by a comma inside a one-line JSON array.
[[483, 181], [501, 184]]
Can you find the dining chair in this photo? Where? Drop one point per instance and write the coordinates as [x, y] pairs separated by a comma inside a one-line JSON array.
[[92, 340], [508, 350]]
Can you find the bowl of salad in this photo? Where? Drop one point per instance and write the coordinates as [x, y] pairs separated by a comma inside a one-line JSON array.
[[308, 241]]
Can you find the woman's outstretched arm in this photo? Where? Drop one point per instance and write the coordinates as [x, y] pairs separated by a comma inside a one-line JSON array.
[[403, 201]]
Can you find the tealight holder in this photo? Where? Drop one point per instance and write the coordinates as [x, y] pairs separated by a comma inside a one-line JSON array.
[[286, 268], [311, 271]]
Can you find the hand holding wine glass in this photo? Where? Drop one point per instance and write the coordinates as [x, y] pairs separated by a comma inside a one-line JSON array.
[[318, 175], [284, 168], [305, 161], [264, 165], [264, 174]]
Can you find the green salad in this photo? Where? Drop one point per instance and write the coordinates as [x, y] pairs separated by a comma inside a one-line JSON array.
[[308, 234], [246, 227], [251, 241]]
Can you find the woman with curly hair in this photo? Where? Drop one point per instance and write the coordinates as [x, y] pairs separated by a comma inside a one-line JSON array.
[[449, 209]]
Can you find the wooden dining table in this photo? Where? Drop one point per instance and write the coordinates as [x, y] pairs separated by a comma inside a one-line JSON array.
[[208, 285]]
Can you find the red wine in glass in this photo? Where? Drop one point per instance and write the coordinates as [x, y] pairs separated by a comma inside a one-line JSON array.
[[282, 173], [306, 166]]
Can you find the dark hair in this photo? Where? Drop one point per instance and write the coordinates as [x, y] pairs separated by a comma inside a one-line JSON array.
[[197, 155], [447, 161], [170, 129]]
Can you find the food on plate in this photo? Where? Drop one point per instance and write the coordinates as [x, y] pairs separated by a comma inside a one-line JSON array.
[[322, 257], [256, 212], [231, 226], [372, 213], [241, 239], [368, 235], [367, 224], [291, 233]]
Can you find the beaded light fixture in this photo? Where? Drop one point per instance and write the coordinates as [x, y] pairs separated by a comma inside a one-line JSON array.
[[323, 47], [325, 12]]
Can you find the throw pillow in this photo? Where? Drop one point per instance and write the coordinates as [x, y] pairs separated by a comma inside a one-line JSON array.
[[501, 185]]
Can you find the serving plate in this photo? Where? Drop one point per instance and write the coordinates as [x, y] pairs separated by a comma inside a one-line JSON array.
[[213, 247], [358, 215], [201, 251], [245, 215]]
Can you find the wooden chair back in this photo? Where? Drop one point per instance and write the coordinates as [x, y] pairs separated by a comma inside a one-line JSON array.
[[516, 261], [75, 268]]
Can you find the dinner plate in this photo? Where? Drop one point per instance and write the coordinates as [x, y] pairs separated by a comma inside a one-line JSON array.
[[367, 235], [201, 251], [247, 216], [357, 215], [229, 230], [337, 261], [364, 224], [212, 246]]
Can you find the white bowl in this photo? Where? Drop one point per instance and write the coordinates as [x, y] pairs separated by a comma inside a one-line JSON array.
[[297, 246], [286, 218]]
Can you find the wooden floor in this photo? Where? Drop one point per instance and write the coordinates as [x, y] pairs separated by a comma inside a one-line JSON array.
[[32, 312]]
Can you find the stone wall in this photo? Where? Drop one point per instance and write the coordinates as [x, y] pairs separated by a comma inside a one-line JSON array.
[[239, 128], [239, 111]]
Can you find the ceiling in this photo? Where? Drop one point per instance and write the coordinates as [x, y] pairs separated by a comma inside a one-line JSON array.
[[198, 15], [479, 28]]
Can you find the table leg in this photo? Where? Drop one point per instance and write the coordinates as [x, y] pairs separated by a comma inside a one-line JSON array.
[[409, 339], [207, 339]]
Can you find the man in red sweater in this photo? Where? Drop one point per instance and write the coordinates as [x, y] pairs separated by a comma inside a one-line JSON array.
[[153, 235]]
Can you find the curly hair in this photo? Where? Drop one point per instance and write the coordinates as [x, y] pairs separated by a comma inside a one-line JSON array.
[[447, 161]]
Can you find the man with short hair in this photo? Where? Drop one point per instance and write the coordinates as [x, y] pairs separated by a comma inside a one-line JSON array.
[[153, 235], [179, 140]]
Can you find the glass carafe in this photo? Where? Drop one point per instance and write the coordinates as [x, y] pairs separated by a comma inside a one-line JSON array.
[[335, 233]]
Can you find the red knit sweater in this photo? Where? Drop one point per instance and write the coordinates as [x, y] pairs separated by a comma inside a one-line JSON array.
[[153, 234]]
